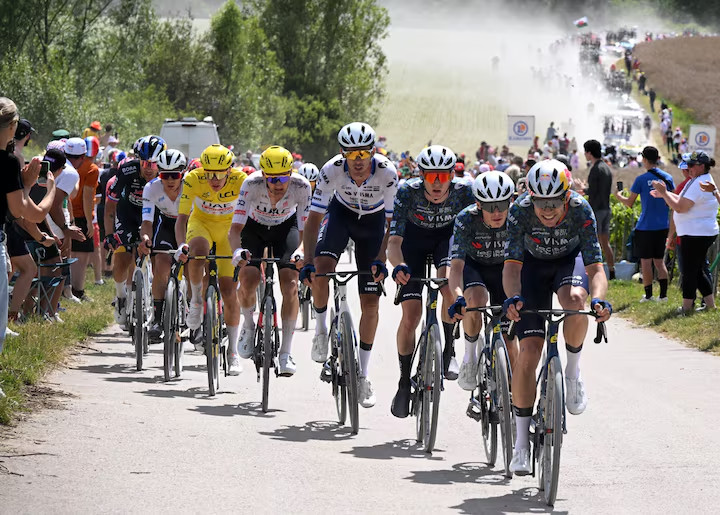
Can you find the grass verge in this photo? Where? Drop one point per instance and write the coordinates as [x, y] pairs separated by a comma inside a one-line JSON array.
[[698, 331], [42, 346]]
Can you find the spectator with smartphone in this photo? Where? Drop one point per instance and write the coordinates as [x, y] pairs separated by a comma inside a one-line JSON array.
[[651, 229]]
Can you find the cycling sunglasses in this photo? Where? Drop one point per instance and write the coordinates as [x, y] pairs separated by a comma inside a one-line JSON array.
[[217, 175], [274, 179], [356, 154], [443, 177], [149, 164], [172, 176], [549, 203], [500, 205]]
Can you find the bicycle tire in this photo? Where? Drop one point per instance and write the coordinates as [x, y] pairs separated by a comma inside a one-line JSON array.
[[180, 317], [417, 398], [552, 439], [169, 346], [489, 429], [350, 367], [339, 388], [138, 319], [304, 310], [504, 407], [267, 359], [209, 327], [431, 393]]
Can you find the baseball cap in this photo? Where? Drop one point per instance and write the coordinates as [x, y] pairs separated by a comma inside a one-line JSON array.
[[698, 157], [56, 158], [61, 133], [23, 129], [651, 154], [96, 125], [75, 147], [56, 143]]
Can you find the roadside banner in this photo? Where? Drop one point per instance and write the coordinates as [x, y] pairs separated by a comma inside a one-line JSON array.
[[702, 137], [582, 22], [521, 129]]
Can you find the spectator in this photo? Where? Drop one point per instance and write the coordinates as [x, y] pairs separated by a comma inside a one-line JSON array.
[[82, 212], [652, 227], [481, 153], [647, 125], [575, 160], [573, 147], [695, 215], [515, 169], [23, 133], [105, 136], [551, 132], [564, 144], [110, 148], [677, 138], [93, 130], [641, 82], [651, 94]]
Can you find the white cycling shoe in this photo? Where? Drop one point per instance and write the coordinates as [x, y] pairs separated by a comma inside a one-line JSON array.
[[234, 366], [287, 365], [520, 464], [366, 395], [319, 348], [468, 376], [575, 397], [120, 311], [194, 318], [245, 343]]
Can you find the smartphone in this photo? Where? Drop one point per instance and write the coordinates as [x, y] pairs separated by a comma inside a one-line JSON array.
[[619, 185], [44, 169]]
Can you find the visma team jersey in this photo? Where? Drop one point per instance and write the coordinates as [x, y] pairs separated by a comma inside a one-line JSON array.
[[576, 231], [375, 194], [475, 240], [128, 188], [254, 202], [154, 197], [412, 207], [207, 204]]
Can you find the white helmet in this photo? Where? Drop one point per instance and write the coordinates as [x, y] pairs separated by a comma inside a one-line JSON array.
[[356, 135], [171, 160], [493, 186], [436, 157], [309, 171], [548, 179]]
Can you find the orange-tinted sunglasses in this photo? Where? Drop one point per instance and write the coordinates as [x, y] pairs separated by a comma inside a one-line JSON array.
[[357, 154], [443, 177]]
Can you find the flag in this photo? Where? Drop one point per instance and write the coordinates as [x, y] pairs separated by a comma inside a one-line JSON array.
[[582, 22]]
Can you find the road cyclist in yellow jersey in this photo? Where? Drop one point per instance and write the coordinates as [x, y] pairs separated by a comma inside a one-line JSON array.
[[205, 213]]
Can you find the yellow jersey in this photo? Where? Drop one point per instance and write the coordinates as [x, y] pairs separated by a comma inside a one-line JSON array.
[[206, 204]]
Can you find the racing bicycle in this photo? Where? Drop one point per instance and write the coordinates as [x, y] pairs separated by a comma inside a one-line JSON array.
[[174, 321], [140, 308]]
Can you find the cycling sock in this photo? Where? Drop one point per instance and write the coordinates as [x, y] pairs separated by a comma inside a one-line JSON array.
[[365, 349], [233, 335], [648, 291], [196, 290], [449, 328], [663, 287], [522, 423], [120, 291], [405, 366], [572, 367], [159, 304], [320, 320], [288, 329], [470, 348], [248, 316]]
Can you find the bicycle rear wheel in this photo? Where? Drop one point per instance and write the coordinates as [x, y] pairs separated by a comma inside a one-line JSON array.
[[503, 406], [267, 358], [138, 318], [432, 388], [489, 428], [553, 432], [349, 367], [211, 338], [169, 322]]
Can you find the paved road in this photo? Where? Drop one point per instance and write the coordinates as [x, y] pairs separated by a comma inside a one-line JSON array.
[[127, 442]]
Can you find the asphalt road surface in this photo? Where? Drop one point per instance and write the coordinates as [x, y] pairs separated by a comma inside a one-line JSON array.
[[126, 442]]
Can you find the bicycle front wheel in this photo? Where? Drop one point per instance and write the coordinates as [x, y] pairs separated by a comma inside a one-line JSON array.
[[169, 322], [267, 359], [432, 377], [304, 308], [503, 406], [553, 432], [138, 319], [211, 338], [489, 427], [349, 366], [339, 388]]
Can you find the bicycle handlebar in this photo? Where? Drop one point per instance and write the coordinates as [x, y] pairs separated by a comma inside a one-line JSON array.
[[432, 282], [343, 278], [559, 315], [236, 272]]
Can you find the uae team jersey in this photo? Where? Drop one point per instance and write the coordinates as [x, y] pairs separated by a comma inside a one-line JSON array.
[[373, 195], [207, 204], [154, 197], [254, 202]]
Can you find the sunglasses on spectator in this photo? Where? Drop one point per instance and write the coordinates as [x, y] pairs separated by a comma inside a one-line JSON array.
[[274, 179], [172, 176], [443, 177], [500, 205], [149, 164], [356, 154], [549, 203]]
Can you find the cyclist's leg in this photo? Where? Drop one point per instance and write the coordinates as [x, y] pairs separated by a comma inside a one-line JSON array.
[[253, 240], [571, 285], [285, 239], [441, 259], [198, 238], [163, 239], [123, 264], [493, 282], [475, 295], [225, 270]]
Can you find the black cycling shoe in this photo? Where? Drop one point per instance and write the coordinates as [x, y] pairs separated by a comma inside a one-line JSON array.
[[401, 402], [155, 333], [326, 372]]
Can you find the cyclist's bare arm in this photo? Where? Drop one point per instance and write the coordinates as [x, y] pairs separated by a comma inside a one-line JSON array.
[[598, 287], [456, 277], [181, 228], [394, 250], [235, 236], [109, 217], [312, 227], [512, 286], [381, 255]]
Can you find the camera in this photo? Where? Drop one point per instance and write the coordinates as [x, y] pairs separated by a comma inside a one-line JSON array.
[[619, 185]]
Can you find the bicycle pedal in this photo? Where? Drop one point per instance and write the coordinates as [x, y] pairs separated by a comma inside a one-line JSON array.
[[326, 375], [473, 412]]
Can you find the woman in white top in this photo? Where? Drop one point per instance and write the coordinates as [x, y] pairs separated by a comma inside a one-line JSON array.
[[695, 215]]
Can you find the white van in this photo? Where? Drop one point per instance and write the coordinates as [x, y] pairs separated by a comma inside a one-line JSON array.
[[190, 136]]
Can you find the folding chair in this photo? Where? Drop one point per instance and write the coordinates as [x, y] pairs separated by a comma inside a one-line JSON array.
[[46, 285]]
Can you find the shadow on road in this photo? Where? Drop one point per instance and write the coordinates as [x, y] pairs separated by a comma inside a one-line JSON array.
[[468, 472], [102, 354], [396, 449], [318, 430], [247, 409], [524, 500], [108, 369], [191, 393]]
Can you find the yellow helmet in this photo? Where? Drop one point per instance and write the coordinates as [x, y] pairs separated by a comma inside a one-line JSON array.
[[276, 160], [216, 158]]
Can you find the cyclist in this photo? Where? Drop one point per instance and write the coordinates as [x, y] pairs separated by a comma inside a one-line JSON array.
[[270, 213], [422, 223], [161, 196], [353, 199], [211, 192], [477, 254], [310, 172], [551, 235], [125, 199]]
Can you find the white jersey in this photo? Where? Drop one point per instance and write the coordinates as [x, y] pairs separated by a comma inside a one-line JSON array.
[[154, 196], [375, 194], [254, 202]]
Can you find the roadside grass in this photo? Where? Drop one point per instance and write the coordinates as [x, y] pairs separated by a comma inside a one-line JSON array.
[[42, 346], [699, 330]]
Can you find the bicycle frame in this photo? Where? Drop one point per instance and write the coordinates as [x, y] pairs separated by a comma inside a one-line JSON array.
[[494, 342], [268, 293]]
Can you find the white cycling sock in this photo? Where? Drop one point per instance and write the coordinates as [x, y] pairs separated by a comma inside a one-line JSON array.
[[572, 367], [364, 362], [196, 290], [120, 290], [321, 321], [247, 313], [233, 336], [522, 439], [288, 329], [470, 350]]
